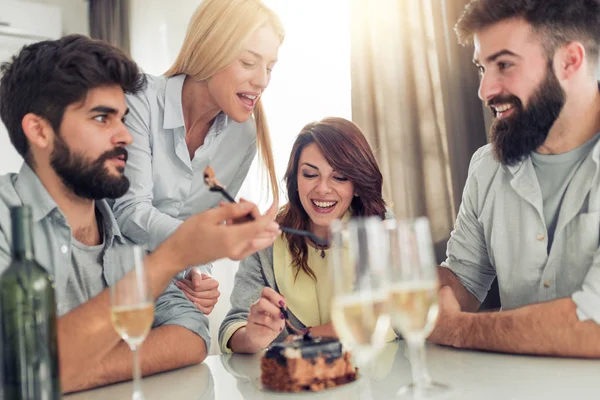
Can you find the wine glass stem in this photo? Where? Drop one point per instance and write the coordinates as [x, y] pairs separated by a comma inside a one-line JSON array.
[[420, 373], [137, 382]]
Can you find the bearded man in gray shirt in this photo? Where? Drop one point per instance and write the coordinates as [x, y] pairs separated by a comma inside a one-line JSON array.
[[530, 212], [63, 103]]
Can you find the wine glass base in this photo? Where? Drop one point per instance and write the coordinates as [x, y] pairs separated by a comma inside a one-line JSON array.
[[427, 390], [138, 396]]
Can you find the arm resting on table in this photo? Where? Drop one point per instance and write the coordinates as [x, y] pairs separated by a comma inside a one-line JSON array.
[[86, 334], [166, 347], [550, 328]]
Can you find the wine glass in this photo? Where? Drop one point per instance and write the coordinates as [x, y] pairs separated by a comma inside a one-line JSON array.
[[132, 307], [360, 298], [414, 297]]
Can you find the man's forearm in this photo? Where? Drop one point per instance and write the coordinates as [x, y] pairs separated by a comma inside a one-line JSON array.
[[86, 334], [166, 348], [550, 328], [467, 301]]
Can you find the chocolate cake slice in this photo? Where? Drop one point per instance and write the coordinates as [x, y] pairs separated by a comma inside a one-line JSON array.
[[306, 364]]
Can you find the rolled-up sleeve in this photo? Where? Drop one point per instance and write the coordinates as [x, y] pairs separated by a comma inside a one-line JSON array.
[[5, 251], [138, 219], [173, 308], [587, 299], [247, 288], [466, 254]]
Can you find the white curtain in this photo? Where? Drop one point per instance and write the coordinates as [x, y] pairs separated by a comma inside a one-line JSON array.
[[415, 95]]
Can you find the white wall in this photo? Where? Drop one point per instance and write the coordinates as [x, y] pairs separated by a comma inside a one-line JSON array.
[[312, 77], [157, 31], [10, 160], [310, 81], [74, 19]]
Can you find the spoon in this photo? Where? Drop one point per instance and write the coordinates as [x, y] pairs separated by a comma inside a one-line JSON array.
[[306, 335]]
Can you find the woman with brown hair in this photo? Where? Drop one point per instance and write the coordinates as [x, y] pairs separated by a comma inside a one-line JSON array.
[[332, 174]]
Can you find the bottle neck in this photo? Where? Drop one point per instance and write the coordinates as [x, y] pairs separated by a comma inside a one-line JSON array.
[[22, 245]]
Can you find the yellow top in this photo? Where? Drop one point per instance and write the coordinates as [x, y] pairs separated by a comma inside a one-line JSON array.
[[308, 300]]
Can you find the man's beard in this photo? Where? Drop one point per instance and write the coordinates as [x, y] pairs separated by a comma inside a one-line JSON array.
[[88, 179], [525, 130]]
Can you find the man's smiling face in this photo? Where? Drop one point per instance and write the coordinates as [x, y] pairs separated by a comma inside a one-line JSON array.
[[519, 86]]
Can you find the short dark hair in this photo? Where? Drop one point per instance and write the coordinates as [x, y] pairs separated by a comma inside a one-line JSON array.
[[558, 22], [44, 78]]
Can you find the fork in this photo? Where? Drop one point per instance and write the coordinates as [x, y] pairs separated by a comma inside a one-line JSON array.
[[214, 186]]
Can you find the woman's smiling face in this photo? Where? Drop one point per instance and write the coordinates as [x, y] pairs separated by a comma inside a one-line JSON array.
[[324, 193]]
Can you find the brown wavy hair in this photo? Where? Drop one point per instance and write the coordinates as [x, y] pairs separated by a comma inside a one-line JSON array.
[[347, 151]]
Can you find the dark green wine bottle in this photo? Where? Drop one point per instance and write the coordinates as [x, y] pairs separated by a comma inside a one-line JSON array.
[[28, 320]]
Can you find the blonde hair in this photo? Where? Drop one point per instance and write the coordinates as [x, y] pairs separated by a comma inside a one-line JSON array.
[[215, 36]]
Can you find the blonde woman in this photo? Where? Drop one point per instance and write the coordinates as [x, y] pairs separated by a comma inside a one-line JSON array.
[[205, 109]]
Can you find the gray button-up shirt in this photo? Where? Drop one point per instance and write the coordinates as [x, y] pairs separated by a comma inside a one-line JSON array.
[[53, 243], [500, 230], [166, 186]]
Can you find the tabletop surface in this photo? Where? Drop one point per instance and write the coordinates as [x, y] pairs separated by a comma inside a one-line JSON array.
[[470, 375]]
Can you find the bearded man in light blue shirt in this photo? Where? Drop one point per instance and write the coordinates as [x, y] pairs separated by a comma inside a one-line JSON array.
[[530, 213]]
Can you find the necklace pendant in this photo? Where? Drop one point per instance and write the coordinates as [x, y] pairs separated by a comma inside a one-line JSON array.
[[322, 253]]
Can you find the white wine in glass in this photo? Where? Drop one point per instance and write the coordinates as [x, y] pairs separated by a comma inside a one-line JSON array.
[[360, 307], [132, 307], [361, 319], [414, 297], [414, 307], [133, 323]]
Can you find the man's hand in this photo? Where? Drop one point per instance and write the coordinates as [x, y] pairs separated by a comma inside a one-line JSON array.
[[265, 320], [446, 331], [245, 218], [201, 289], [205, 237]]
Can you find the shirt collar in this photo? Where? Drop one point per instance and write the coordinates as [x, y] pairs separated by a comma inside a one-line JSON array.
[[109, 222], [33, 193], [513, 169], [173, 116], [595, 154], [596, 151], [221, 122]]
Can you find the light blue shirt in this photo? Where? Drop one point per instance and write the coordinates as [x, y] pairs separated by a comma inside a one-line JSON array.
[[166, 186], [554, 173], [501, 230], [54, 243]]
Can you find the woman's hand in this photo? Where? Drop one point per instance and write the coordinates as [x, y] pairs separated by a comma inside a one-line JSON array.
[[201, 289], [265, 321]]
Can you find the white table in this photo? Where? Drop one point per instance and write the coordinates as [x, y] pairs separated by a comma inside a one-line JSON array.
[[471, 375]]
